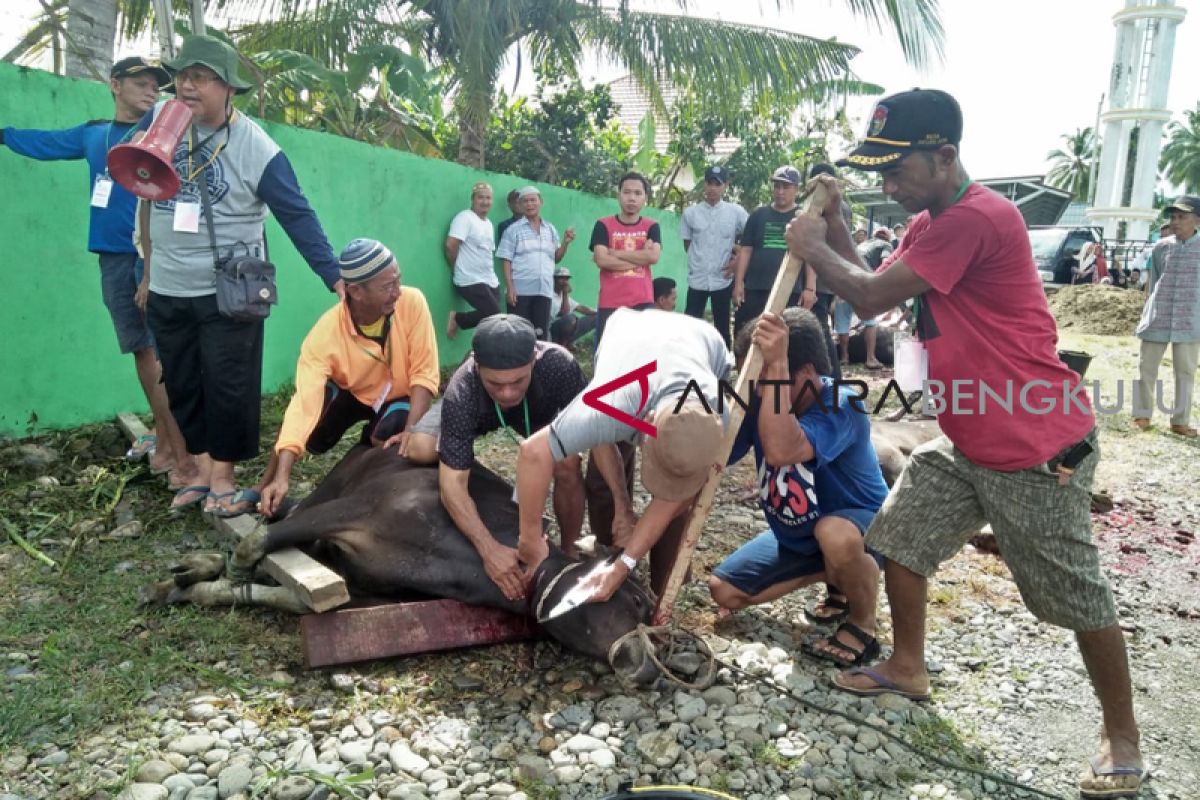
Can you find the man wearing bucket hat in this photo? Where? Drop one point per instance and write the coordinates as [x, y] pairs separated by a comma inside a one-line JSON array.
[[982, 317], [135, 84], [372, 357], [1171, 316], [646, 364], [212, 365], [514, 382]]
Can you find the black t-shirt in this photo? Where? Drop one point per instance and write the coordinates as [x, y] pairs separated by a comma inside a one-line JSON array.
[[764, 232], [503, 226], [469, 412]]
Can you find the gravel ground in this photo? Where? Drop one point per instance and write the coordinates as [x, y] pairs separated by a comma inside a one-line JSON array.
[[530, 722]]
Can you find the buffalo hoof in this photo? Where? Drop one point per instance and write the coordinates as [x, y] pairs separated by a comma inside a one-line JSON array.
[[250, 551], [197, 567], [156, 594]]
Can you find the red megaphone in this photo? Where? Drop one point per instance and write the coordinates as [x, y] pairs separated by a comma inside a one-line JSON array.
[[147, 168]]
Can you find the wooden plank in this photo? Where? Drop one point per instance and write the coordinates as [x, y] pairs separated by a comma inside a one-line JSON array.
[[132, 425], [352, 635], [317, 586], [785, 279]]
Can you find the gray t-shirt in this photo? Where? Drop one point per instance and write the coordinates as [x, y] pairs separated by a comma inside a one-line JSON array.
[[685, 349], [182, 263], [712, 231]]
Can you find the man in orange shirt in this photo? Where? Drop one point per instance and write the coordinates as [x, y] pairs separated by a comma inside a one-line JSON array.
[[373, 357]]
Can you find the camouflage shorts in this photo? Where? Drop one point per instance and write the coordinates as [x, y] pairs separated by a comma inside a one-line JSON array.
[[1044, 530]]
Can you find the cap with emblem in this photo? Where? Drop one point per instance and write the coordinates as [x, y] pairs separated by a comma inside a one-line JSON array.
[[363, 259], [136, 65], [921, 119], [1187, 203], [504, 341], [716, 173], [787, 174]]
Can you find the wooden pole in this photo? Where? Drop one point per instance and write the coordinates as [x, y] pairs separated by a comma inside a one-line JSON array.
[[789, 272]]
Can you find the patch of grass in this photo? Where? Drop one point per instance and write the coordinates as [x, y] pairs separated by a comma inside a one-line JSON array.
[[941, 736], [767, 754], [93, 655], [537, 789]]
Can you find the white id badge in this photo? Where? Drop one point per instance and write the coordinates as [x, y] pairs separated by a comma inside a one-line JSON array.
[[187, 217], [101, 191], [912, 362], [378, 404]]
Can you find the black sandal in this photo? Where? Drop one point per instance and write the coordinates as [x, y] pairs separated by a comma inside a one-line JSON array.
[[869, 651], [840, 605]]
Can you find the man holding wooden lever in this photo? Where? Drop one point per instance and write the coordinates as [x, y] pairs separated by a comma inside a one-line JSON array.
[[983, 320]]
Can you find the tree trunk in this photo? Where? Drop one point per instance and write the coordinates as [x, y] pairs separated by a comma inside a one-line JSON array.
[[91, 35], [474, 111]]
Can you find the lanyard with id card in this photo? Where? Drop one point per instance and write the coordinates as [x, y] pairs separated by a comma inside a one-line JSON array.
[[102, 191]]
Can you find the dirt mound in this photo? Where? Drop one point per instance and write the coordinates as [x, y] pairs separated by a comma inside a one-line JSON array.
[[1098, 309]]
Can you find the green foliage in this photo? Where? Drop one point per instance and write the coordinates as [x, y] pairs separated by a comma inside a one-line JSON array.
[[1181, 155], [1071, 166], [564, 135]]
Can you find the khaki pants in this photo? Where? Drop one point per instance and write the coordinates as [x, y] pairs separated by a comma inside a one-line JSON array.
[[1183, 359]]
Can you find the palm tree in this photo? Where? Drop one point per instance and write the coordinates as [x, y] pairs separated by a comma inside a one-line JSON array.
[[721, 61], [1181, 156], [1071, 167], [91, 32]]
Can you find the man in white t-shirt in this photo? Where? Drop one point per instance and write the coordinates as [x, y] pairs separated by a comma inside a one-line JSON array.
[[569, 320], [469, 247]]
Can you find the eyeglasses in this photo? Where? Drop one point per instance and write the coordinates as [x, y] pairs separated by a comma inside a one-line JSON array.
[[196, 77]]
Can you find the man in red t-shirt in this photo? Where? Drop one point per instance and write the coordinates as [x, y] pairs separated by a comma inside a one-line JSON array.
[[1020, 448], [625, 247]]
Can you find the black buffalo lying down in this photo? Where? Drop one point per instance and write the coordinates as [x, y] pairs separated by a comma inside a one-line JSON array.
[[377, 521]]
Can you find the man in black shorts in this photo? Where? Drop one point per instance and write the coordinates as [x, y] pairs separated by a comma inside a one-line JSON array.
[[515, 382]]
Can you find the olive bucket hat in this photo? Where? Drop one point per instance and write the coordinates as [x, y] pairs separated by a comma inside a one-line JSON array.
[[212, 53]]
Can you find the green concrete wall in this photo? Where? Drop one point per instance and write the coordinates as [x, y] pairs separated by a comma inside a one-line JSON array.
[[59, 355]]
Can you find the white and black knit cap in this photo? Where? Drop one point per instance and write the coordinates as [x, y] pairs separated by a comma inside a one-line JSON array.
[[363, 259]]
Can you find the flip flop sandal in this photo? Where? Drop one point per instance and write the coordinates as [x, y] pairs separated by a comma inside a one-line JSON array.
[[212, 503], [248, 497], [861, 655], [201, 493], [840, 606], [883, 685], [143, 447], [1113, 782]]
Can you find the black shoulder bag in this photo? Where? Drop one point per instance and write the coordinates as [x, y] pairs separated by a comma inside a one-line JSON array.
[[246, 287]]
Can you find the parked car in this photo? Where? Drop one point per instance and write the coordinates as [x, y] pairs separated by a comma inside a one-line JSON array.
[[1055, 248]]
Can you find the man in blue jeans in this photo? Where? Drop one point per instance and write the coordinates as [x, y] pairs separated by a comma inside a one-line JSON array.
[[135, 85], [820, 486]]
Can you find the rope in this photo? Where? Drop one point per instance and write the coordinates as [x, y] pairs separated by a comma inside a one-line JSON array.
[[670, 635]]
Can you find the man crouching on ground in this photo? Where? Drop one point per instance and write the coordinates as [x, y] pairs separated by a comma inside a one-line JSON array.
[[820, 486], [372, 357]]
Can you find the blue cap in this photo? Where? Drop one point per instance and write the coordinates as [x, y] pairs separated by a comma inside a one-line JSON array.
[[787, 174]]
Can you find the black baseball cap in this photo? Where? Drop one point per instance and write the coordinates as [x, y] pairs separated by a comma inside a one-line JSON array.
[[136, 65], [921, 119], [716, 173], [1187, 203], [787, 174], [504, 341]]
